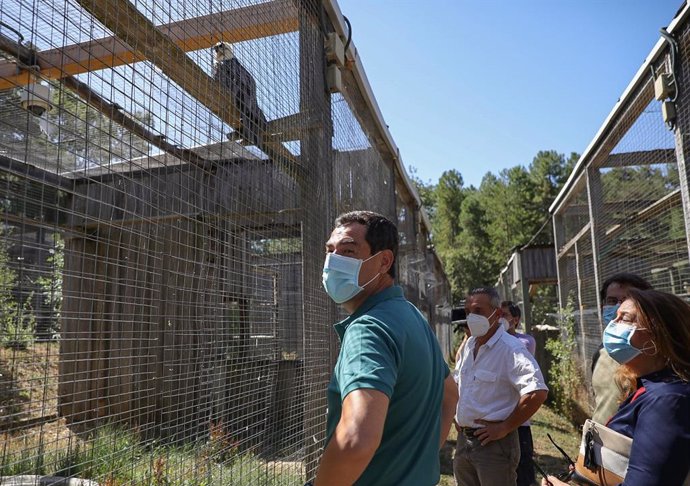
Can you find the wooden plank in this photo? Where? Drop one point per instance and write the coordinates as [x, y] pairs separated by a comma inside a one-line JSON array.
[[671, 199], [567, 246], [595, 199], [236, 25], [134, 28], [643, 157], [187, 192], [319, 206]]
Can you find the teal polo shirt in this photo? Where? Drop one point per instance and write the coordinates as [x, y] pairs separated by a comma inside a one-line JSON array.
[[387, 345]]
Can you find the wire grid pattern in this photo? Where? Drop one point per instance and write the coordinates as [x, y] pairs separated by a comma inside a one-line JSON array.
[[626, 211], [163, 320]]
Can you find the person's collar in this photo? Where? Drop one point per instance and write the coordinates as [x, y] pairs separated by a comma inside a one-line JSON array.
[[392, 292], [497, 335], [666, 374]]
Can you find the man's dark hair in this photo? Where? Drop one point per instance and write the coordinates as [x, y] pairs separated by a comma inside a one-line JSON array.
[[627, 279], [490, 291], [381, 233], [515, 310]]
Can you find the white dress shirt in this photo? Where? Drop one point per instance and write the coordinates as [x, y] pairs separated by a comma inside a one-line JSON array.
[[490, 385]]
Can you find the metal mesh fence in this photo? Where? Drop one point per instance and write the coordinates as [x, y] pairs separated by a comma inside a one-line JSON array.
[[164, 207], [627, 207]]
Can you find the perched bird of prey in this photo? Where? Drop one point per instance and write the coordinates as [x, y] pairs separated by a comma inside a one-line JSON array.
[[234, 77]]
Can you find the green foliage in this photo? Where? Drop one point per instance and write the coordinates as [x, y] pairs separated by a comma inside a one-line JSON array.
[[51, 283], [19, 325], [115, 456], [476, 229], [564, 377], [276, 246], [544, 302], [17, 321], [78, 135]]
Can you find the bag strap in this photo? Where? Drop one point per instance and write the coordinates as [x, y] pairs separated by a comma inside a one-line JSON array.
[[637, 394]]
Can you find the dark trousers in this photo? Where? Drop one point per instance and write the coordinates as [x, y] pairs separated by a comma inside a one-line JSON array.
[[525, 469]]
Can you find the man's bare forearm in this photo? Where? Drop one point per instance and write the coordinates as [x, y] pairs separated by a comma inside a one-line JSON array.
[[526, 407], [342, 462], [448, 406]]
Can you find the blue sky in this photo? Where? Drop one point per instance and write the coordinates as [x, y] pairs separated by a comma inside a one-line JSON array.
[[481, 85]]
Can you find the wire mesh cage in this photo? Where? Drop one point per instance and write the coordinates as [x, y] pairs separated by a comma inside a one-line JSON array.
[[627, 207], [169, 173]]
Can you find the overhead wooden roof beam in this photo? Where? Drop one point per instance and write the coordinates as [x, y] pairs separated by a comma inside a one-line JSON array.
[[135, 29], [241, 24]]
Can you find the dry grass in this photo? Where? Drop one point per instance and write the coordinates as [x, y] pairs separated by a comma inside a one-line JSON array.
[[28, 384]]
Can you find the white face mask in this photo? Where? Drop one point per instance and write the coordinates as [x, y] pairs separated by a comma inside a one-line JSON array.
[[505, 323], [478, 324]]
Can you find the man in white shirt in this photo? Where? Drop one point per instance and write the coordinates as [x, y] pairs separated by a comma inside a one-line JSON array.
[[500, 387]]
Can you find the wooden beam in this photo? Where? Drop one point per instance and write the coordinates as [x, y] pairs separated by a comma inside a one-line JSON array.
[[671, 199], [236, 25], [644, 157], [112, 111], [134, 28], [566, 248]]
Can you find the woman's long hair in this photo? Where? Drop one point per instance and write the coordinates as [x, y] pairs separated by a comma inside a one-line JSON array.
[[667, 317]]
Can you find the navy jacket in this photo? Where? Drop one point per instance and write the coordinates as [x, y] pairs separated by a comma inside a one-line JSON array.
[[658, 420]]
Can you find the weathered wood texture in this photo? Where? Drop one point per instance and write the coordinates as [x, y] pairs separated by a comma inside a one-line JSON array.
[[135, 29], [318, 199], [169, 322], [155, 332], [252, 193]]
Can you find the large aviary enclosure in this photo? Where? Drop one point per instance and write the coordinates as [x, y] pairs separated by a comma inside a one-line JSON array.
[[626, 207], [162, 235]]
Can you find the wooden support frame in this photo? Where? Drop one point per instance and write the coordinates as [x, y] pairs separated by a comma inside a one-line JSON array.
[[595, 199], [645, 157], [241, 24], [113, 112], [567, 246], [671, 199]]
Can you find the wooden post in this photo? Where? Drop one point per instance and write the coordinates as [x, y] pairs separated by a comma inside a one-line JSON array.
[[524, 290], [683, 140], [316, 192], [595, 199], [561, 266]]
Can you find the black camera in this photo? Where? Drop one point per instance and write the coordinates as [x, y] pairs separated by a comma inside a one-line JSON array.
[[458, 318]]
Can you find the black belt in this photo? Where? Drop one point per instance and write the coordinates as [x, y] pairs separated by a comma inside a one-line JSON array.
[[469, 430]]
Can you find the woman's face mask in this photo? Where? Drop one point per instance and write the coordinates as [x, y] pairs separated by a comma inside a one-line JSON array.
[[340, 277], [608, 313], [617, 343]]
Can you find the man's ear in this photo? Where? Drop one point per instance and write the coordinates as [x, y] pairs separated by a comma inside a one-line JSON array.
[[387, 261]]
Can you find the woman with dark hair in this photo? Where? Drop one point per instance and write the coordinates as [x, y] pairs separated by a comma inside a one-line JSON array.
[[650, 338]]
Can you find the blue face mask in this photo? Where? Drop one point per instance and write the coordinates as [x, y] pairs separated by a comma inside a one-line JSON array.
[[608, 313], [341, 277], [617, 338]]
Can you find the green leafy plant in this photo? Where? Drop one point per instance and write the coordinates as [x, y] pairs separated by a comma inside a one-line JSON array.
[[51, 284], [564, 376]]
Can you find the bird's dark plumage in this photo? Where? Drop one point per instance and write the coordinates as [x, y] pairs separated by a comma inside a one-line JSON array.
[[234, 77]]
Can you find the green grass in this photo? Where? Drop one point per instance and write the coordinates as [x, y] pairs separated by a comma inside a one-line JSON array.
[[115, 457], [544, 421]]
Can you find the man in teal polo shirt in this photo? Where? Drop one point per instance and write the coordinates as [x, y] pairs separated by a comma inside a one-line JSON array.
[[391, 400]]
